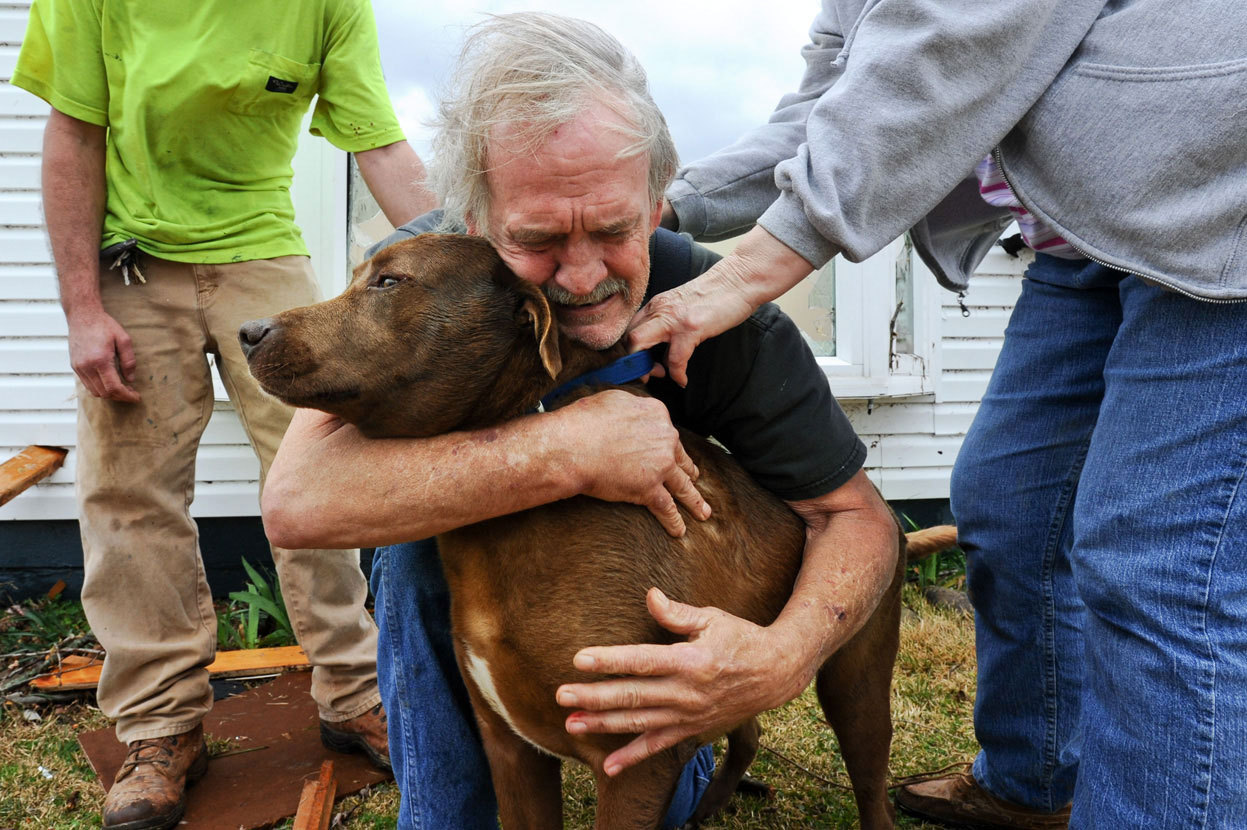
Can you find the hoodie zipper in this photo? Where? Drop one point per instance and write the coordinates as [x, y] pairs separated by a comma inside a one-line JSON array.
[[1148, 277]]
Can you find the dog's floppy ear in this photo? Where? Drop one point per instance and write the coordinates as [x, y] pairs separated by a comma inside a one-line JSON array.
[[535, 307], [534, 310]]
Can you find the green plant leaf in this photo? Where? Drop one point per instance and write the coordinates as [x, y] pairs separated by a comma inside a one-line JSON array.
[[253, 625], [255, 601], [226, 634], [255, 577], [905, 520]]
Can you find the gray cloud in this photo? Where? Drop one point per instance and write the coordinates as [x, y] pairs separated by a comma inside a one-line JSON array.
[[716, 68]]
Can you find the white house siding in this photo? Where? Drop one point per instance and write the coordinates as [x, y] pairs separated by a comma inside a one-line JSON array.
[[914, 442], [36, 382]]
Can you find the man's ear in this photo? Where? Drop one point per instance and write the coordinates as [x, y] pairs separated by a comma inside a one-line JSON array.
[[535, 310], [655, 217]]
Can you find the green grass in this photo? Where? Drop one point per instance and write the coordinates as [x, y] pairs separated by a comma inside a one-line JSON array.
[[35, 625], [45, 780]]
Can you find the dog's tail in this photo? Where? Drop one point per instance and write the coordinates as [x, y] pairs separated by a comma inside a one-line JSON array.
[[919, 544]]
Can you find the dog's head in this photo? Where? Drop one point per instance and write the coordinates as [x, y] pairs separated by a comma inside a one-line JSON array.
[[433, 334]]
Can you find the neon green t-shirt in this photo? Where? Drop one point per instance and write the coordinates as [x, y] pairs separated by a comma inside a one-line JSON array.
[[203, 103]]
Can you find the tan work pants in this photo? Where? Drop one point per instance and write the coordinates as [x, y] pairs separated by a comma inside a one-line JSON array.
[[145, 592]]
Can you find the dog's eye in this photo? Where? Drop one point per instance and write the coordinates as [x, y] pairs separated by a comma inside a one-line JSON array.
[[387, 281]]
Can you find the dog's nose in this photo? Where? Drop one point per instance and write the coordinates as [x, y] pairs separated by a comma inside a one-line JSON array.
[[252, 332]]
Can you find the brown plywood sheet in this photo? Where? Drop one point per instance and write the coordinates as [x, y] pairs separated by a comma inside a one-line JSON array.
[[253, 789]]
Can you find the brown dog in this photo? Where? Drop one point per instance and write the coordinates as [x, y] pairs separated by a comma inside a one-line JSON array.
[[459, 342]]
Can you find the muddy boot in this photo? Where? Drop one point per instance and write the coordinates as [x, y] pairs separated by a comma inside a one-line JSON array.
[[363, 733], [149, 792]]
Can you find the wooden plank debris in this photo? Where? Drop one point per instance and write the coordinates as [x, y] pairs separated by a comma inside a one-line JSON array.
[[77, 672], [316, 803], [27, 468]]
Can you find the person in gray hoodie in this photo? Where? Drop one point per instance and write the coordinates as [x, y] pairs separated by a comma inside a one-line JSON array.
[[1099, 493]]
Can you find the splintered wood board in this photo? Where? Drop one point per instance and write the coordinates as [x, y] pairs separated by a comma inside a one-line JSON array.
[[27, 468]]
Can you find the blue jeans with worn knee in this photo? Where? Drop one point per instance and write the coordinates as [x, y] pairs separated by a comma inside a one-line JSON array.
[[435, 749], [1100, 499]]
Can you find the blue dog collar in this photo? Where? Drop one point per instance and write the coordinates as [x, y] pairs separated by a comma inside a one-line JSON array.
[[624, 370]]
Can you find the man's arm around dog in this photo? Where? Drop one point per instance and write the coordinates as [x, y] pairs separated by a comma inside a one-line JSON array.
[[329, 485]]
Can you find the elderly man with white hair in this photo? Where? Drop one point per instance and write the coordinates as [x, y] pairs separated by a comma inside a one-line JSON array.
[[551, 147]]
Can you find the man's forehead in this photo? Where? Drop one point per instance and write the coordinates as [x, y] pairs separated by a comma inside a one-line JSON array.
[[618, 218], [596, 200]]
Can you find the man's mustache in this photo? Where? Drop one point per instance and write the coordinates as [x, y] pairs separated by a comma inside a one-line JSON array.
[[559, 295]]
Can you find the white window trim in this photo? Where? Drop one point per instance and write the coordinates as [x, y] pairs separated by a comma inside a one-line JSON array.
[[864, 366]]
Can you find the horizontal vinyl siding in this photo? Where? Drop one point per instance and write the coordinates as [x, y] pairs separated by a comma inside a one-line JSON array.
[[914, 442], [37, 404], [215, 463], [53, 499]]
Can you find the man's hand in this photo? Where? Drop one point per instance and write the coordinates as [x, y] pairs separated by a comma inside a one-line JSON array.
[[731, 669], [103, 356], [760, 269], [728, 671], [630, 452], [685, 316]]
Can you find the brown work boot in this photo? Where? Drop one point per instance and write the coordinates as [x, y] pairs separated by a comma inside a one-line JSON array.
[[149, 792], [958, 801], [364, 733]]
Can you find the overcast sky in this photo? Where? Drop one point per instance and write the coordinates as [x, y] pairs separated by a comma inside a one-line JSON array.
[[715, 68]]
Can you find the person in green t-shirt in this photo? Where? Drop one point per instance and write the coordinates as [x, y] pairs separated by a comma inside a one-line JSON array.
[[169, 149]]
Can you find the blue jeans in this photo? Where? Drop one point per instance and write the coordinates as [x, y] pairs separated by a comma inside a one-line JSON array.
[[1099, 498], [439, 764]]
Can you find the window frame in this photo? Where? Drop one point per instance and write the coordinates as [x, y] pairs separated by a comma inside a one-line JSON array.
[[865, 365]]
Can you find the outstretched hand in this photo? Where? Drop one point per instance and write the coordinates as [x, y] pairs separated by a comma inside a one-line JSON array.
[[686, 316], [760, 269], [729, 670]]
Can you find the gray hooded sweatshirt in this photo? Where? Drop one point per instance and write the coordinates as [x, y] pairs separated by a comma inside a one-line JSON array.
[[1123, 124]]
